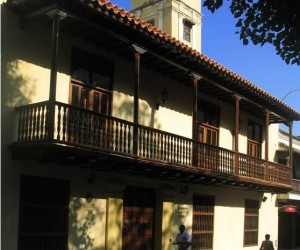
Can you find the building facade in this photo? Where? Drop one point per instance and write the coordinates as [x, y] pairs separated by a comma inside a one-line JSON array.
[[114, 133], [289, 203], [179, 18]]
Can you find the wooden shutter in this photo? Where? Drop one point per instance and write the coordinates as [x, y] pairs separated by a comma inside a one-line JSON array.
[[203, 222], [251, 222], [43, 220]]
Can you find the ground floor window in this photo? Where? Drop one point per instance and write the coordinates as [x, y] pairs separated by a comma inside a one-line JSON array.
[[203, 222], [251, 222], [43, 214]]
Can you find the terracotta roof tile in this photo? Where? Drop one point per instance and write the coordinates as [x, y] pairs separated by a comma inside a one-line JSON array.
[[210, 63]]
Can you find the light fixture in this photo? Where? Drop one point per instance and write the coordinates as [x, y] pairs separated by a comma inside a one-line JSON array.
[[89, 197], [164, 97]]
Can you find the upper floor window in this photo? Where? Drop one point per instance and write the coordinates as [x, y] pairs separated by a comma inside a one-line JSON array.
[[208, 113], [208, 118], [251, 222], [91, 80], [187, 30], [254, 134]]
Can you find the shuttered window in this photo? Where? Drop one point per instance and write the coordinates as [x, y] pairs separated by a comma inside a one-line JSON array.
[[203, 222], [43, 219], [251, 222]]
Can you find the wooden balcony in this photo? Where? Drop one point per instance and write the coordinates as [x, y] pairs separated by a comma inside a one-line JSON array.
[[104, 142]]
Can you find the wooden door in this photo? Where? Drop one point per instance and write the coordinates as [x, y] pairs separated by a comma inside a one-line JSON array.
[[138, 228], [88, 127], [138, 219], [207, 153]]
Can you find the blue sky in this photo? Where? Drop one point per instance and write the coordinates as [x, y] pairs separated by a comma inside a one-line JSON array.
[[260, 65]]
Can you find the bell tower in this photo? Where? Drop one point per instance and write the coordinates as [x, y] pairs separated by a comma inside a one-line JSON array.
[[180, 18]]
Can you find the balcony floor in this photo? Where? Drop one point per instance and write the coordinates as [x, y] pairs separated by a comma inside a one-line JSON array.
[[99, 160]]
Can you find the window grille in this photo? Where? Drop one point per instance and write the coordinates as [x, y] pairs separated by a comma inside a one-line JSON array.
[[251, 222], [203, 222], [43, 220]]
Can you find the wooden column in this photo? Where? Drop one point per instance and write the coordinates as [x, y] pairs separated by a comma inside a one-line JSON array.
[[267, 122], [196, 79], [56, 15], [291, 145], [137, 56], [236, 133]]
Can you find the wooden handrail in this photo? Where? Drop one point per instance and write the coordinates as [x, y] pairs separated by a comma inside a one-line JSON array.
[[86, 128]]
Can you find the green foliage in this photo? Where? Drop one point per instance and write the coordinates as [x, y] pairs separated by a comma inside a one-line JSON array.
[[276, 22]]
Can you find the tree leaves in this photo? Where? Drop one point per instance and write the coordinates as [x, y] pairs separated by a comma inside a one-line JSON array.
[[276, 22]]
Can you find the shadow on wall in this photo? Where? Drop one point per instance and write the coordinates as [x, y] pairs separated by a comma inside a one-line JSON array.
[[15, 90], [114, 225], [124, 109], [83, 219], [169, 228]]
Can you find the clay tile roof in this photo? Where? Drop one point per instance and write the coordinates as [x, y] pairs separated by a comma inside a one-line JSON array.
[[203, 59]]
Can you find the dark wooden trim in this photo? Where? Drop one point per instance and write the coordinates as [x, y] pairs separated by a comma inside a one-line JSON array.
[[236, 135], [267, 122], [53, 74], [195, 110], [137, 64], [291, 144]]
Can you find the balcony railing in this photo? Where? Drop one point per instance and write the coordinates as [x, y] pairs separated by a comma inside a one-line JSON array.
[[76, 126]]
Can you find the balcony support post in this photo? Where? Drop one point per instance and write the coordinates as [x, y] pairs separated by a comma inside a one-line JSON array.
[[291, 148], [267, 122], [137, 55], [236, 134], [57, 16], [196, 79]]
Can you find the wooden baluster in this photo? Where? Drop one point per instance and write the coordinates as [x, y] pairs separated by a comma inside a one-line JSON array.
[[159, 146], [38, 117], [64, 123], [119, 136], [129, 140], [79, 122], [125, 137], [20, 125], [147, 143], [34, 110], [43, 112], [29, 124], [140, 139], [168, 148], [70, 124], [151, 144], [58, 122], [26, 124]]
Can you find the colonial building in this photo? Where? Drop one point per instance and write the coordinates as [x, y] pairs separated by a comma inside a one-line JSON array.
[[289, 203], [114, 133], [179, 18]]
